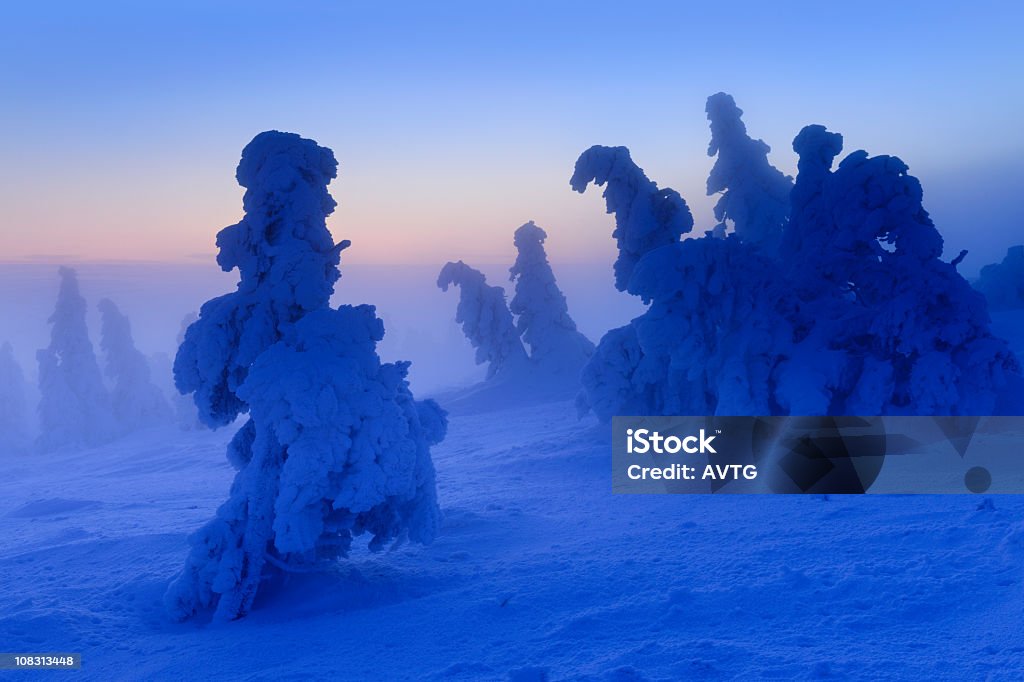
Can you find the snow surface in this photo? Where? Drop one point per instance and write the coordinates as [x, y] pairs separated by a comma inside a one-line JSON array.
[[538, 571]]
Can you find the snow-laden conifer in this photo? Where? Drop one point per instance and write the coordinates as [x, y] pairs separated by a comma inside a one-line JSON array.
[[485, 319], [74, 405], [542, 313], [136, 401], [335, 446]]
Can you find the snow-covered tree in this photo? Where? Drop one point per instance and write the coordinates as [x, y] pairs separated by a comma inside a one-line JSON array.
[[906, 332], [74, 406], [684, 355], [1003, 283], [335, 445], [754, 194], [14, 427], [844, 307], [136, 401], [542, 314], [645, 217], [485, 319]]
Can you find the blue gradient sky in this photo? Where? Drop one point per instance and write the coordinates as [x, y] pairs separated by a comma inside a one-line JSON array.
[[122, 123]]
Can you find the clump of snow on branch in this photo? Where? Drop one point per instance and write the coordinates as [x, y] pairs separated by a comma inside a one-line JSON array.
[[838, 304], [335, 445], [287, 261], [357, 442], [645, 217], [1003, 283], [14, 432], [74, 406], [485, 319], [136, 401], [542, 313], [754, 194]]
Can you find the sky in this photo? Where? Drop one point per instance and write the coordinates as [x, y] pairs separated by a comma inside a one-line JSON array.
[[455, 122]]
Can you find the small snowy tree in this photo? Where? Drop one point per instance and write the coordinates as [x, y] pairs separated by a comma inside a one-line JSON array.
[[542, 313], [137, 403], [1003, 283], [14, 428], [74, 406], [335, 445], [485, 319], [755, 195]]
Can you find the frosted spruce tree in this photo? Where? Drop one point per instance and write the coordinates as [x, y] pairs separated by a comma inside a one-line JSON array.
[[1003, 283], [486, 320], [615, 380], [74, 406], [14, 428], [542, 313], [754, 194], [136, 401], [645, 217], [904, 332], [854, 312], [335, 446]]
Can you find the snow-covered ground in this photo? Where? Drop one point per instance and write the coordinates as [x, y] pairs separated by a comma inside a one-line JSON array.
[[539, 573]]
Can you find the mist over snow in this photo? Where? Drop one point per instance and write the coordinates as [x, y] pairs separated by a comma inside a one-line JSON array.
[[420, 328]]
